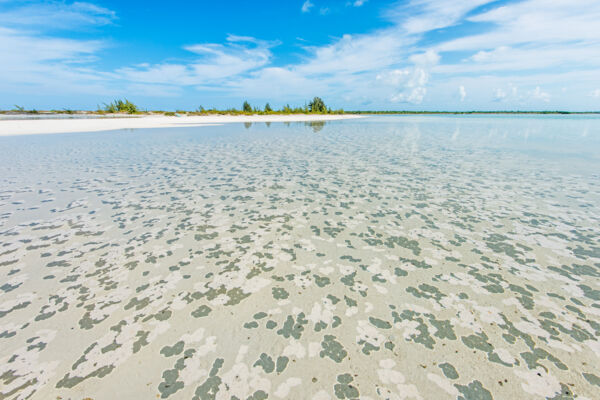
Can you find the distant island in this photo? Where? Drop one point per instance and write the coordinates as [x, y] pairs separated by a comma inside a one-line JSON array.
[[470, 112], [315, 106]]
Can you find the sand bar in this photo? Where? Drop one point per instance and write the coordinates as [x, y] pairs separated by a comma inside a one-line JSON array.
[[47, 126]]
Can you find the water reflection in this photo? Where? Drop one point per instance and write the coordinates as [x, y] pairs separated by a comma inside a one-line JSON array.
[[317, 126]]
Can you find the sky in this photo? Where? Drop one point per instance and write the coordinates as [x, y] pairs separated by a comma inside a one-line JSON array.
[[355, 54]]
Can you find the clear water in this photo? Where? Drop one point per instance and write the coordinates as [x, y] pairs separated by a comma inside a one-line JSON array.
[[387, 257]]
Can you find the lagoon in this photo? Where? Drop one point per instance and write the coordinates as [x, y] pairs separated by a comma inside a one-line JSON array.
[[391, 257]]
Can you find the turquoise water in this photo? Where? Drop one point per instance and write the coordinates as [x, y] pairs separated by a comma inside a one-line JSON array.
[[387, 257]]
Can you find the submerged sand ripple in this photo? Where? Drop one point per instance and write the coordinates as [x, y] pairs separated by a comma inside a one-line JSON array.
[[384, 258]]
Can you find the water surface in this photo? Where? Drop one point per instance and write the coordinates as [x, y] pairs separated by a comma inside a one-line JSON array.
[[382, 258]]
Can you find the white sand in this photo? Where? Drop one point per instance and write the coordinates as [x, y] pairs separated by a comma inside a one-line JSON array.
[[46, 126]]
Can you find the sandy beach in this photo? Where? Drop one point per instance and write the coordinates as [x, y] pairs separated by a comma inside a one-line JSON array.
[[48, 126]]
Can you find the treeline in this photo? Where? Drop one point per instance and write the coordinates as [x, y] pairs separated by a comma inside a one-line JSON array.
[[315, 106]]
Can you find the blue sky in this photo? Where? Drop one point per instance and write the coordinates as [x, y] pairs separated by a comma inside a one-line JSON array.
[[355, 54]]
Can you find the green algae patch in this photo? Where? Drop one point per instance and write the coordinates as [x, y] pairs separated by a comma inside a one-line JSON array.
[[474, 391], [280, 293], [169, 351], [282, 362], [266, 362], [332, 349], [591, 378], [344, 388], [293, 328], [449, 371], [379, 323], [201, 311], [443, 328]]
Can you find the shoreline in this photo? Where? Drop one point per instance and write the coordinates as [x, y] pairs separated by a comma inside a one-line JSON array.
[[18, 127]]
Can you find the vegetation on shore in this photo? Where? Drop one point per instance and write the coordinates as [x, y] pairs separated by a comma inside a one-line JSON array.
[[119, 106], [315, 106]]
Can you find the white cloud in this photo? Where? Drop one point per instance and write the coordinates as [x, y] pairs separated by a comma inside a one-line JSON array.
[[215, 63], [306, 6], [427, 15], [356, 53], [56, 15], [512, 95], [532, 44], [509, 92], [499, 94], [36, 64], [428, 58], [539, 94], [409, 84], [533, 22], [462, 92]]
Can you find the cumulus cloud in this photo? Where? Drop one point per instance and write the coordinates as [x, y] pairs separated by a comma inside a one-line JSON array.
[[511, 94], [539, 94], [595, 93], [409, 83], [462, 92], [499, 94]]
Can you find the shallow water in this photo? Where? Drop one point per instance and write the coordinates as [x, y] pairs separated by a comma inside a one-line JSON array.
[[388, 257]]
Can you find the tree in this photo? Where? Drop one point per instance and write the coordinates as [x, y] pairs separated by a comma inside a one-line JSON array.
[[121, 106], [317, 106], [246, 107], [268, 108]]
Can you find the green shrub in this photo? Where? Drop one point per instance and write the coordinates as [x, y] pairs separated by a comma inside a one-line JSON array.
[[317, 106], [121, 106]]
